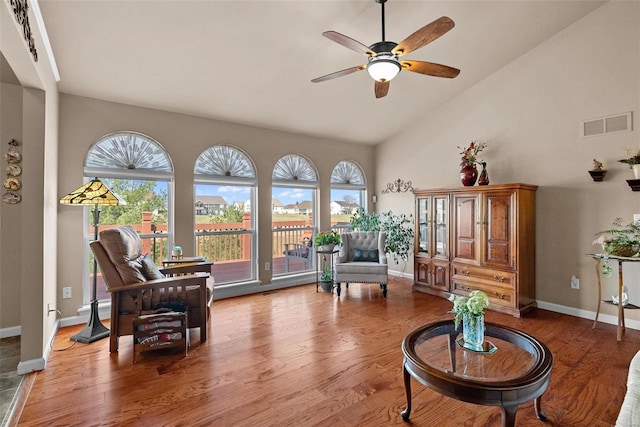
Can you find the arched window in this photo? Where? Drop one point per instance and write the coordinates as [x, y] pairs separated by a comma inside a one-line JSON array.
[[224, 191], [139, 170], [348, 193], [293, 219]]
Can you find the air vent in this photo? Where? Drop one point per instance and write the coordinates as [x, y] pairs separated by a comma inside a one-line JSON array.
[[610, 124]]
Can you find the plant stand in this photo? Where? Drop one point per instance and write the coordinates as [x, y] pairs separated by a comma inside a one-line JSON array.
[[325, 260]]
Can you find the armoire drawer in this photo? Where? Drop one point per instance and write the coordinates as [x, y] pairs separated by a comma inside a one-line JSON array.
[[498, 277], [497, 294]]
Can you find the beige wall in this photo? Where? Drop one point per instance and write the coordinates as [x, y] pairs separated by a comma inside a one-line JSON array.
[[529, 114], [84, 120], [28, 231], [10, 215]]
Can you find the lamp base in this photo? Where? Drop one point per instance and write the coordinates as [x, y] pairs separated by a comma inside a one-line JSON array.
[[94, 330]]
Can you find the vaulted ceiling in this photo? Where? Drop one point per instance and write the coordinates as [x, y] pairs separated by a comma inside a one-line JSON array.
[[251, 62]]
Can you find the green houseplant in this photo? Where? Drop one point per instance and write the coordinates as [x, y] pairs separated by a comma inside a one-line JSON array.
[[633, 160], [326, 239], [399, 229], [622, 240]]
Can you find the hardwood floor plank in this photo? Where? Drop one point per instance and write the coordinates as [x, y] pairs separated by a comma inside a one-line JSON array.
[[295, 357]]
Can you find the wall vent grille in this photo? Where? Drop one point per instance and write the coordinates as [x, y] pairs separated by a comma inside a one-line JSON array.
[[609, 124]]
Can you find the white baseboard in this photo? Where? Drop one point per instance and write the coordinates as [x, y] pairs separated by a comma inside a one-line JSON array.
[[586, 314], [12, 331]]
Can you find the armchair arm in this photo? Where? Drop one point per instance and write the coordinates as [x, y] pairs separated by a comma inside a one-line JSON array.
[[167, 282], [381, 243], [343, 255]]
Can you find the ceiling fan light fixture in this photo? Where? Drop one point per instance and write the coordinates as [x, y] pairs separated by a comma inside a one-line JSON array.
[[383, 68]]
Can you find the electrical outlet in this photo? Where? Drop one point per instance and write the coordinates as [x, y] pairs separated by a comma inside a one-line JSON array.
[[66, 292], [575, 282], [267, 266]]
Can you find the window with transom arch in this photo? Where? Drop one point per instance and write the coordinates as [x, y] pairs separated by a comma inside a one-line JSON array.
[[294, 186], [224, 193], [139, 170], [348, 193]]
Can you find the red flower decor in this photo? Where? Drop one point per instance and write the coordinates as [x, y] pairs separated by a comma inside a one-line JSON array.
[[470, 154]]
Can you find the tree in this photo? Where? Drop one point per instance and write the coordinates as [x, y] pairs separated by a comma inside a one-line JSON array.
[[348, 198], [140, 196], [231, 213]]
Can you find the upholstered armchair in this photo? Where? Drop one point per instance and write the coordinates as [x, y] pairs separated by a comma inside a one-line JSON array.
[[138, 286], [362, 259]]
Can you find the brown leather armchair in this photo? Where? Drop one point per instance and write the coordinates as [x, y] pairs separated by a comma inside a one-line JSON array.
[[137, 285]]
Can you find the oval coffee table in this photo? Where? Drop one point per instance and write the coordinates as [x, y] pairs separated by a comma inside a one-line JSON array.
[[515, 368]]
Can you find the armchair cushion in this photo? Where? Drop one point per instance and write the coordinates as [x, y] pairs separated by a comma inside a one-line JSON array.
[[123, 246], [150, 269], [360, 255]]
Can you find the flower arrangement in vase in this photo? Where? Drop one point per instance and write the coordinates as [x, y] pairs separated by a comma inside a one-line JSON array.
[[326, 240], [470, 311], [469, 171]]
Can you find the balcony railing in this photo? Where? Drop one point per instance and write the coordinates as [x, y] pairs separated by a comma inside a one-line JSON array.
[[229, 245]]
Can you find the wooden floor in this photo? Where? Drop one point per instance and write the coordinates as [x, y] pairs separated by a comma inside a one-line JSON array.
[[295, 357]]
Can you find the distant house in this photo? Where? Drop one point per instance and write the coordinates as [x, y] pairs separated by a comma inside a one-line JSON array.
[[344, 208], [210, 205], [276, 206], [305, 207]]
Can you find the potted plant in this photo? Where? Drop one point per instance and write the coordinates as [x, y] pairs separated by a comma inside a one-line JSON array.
[[633, 160], [326, 241], [470, 311], [326, 279], [598, 172], [622, 240], [469, 171], [399, 229]]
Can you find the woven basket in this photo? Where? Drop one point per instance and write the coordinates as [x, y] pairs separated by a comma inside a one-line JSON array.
[[617, 249]]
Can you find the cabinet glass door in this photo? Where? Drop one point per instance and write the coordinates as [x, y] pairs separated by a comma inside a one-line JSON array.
[[441, 235], [423, 227]]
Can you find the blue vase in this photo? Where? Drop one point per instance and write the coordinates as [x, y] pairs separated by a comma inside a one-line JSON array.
[[473, 331]]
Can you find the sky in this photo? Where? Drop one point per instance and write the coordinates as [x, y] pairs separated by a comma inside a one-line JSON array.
[[286, 195]]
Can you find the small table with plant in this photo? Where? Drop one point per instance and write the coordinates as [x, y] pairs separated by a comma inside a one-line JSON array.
[[325, 245], [621, 244]]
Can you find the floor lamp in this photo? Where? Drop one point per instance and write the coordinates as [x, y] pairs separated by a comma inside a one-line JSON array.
[[93, 193]]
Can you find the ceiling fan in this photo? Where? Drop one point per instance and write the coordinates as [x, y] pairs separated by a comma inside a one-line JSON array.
[[384, 63]]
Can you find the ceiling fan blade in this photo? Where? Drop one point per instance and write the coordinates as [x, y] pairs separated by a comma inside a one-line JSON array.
[[424, 36], [381, 89], [338, 74], [348, 42], [430, 69]]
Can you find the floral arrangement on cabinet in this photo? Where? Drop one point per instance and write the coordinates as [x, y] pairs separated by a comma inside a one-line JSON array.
[[470, 154], [469, 171]]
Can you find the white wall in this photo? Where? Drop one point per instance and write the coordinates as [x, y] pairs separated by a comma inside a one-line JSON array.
[[529, 115]]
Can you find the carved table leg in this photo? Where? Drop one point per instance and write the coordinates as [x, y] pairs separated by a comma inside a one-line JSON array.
[[539, 412], [407, 387], [509, 415]]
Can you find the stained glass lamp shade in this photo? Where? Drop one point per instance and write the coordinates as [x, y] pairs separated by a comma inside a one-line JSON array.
[[93, 193]]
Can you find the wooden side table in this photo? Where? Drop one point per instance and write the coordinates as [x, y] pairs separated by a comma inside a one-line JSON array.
[[183, 260], [620, 260]]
